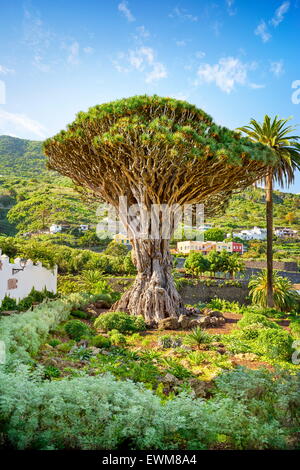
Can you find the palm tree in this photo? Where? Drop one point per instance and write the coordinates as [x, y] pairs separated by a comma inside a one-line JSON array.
[[277, 135]]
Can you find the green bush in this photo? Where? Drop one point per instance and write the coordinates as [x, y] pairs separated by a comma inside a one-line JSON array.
[[54, 342], [276, 344], [51, 372], [121, 321], [67, 346], [118, 339], [80, 314], [8, 304], [255, 318], [76, 329], [100, 341]]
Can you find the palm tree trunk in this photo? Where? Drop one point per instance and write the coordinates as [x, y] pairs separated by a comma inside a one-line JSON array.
[[269, 217]]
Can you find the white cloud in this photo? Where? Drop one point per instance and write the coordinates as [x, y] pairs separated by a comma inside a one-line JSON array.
[[5, 70], [216, 27], [200, 54], [182, 14], [262, 28], [73, 49], [123, 8], [262, 31], [142, 32], [277, 68], [18, 124], [226, 74], [181, 43], [256, 86], [88, 50], [279, 14], [38, 63], [158, 71], [231, 11], [143, 60]]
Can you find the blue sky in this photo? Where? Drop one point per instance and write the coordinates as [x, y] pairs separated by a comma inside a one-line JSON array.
[[236, 59]]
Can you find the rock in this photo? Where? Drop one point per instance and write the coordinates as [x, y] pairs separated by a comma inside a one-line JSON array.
[[192, 311], [170, 323], [94, 350], [216, 313], [213, 322], [216, 344], [203, 322], [169, 381], [206, 311], [101, 304], [83, 342], [221, 350], [184, 322], [201, 388]]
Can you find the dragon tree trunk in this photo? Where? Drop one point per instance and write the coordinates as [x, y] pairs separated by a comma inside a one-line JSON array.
[[153, 293]]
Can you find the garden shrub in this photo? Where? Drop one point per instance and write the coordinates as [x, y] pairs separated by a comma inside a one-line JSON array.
[[54, 342], [67, 346], [169, 341], [80, 314], [8, 304], [254, 318], [121, 321], [100, 341], [118, 339], [76, 329], [276, 344]]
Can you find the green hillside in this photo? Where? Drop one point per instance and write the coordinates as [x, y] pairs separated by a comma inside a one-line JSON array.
[[20, 157], [31, 196]]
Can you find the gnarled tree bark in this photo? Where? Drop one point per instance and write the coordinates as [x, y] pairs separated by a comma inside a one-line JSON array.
[[153, 293]]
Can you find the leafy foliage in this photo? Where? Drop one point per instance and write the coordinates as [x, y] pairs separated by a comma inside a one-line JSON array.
[[121, 321], [76, 329], [285, 296]]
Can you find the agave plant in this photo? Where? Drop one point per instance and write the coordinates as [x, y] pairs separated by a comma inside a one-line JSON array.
[[285, 296], [197, 337]]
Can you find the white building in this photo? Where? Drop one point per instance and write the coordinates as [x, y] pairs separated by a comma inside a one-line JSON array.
[[205, 227], [55, 228], [18, 278], [256, 233], [286, 233]]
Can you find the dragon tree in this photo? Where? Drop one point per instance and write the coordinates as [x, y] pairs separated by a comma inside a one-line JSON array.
[[155, 151]]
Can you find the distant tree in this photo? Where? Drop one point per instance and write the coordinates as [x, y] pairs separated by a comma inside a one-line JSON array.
[[197, 264], [116, 249], [214, 234], [290, 218]]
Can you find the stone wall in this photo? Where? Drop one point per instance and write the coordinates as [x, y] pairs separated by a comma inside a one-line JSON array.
[[280, 265], [192, 294]]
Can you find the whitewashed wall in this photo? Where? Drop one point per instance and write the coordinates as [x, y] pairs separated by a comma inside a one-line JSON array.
[[19, 284]]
